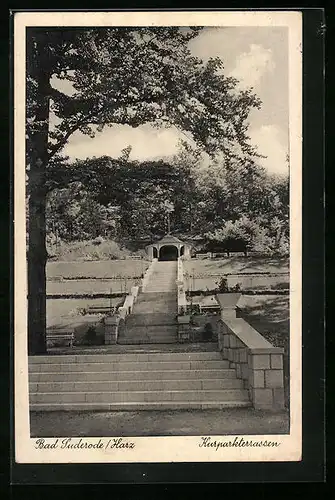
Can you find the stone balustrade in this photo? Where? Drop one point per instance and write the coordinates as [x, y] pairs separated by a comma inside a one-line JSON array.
[[256, 361], [147, 274], [114, 323], [181, 296]]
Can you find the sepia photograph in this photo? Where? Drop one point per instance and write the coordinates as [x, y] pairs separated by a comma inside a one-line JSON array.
[[157, 246]]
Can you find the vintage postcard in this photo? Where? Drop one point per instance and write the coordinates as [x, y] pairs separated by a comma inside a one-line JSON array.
[[157, 179]]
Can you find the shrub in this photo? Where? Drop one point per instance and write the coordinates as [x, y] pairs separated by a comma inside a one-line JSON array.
[[208, 331], [98, 240], [88, 250], [244, 234], [222, 285], [91, 336], [182, 311], [236, 288]]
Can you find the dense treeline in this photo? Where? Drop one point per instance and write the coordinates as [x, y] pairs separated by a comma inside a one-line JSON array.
[[230, 204]]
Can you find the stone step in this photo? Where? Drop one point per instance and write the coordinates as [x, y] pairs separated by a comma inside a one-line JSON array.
[[91, 376], [156, 298], [155, 307], [145, 335], [155, 319], [143, 406], [137, 385], [159, 280], [160, 277], [139, 396], [129, 365], [137, 323], [147, 340], [149, 331], [163, 297], [131, 356]]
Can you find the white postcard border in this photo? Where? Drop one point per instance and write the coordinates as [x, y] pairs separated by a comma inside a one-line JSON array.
[[159, 449]]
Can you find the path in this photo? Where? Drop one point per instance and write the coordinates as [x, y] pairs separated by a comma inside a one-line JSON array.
[[230, 421]]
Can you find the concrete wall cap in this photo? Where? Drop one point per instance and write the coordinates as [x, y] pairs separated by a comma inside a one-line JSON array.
[[112, 320], [247, 334], [268, 350], [183, 319]]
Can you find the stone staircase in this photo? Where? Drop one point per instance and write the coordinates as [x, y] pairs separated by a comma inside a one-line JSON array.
[[153, 319], [163, 278], [144, 380]]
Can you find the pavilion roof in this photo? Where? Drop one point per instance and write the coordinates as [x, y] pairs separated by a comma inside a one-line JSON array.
[[168, 238]]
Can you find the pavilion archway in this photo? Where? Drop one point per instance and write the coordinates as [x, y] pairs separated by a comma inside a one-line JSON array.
[[168, 252]]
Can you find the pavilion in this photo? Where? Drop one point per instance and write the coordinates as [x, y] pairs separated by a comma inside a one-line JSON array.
[[168, 248]]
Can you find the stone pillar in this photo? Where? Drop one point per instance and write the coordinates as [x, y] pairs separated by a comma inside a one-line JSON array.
[[257, 362], [134, 292], [187, 254], [111, 329], [184, 329], [123, 311], [266, 379], [228, 313]]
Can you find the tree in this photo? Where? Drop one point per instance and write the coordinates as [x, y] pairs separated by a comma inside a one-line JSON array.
[[117, 75]]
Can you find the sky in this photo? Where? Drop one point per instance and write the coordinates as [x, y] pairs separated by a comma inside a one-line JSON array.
[[258, 58]]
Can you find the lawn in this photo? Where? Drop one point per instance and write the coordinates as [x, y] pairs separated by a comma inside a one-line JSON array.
[[254, 282], [232, 265], [79, 287], [97, 269], [269, 314], [249, 272], [59, 311]]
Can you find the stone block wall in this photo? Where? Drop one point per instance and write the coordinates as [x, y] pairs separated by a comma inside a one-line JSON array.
[[111, 329], [257, 362]]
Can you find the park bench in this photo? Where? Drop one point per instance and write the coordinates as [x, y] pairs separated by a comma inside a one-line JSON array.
[[68, 337]]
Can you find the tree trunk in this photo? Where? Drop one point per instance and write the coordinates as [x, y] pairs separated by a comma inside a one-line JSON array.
[[37, 255]]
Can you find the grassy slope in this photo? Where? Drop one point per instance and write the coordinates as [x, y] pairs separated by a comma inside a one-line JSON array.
[[97, 249], [204, 274], [97, 269], [207, 267]]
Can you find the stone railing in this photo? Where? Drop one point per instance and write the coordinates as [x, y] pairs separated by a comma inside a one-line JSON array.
[[257, 362], [181, 296], [207, 255], [147, 274], [114, 323]]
